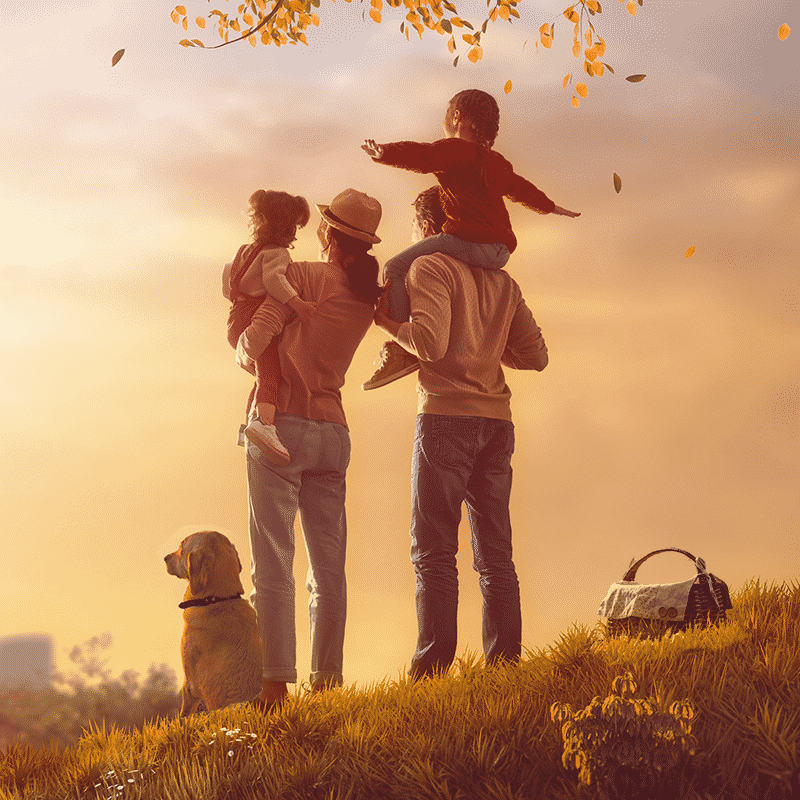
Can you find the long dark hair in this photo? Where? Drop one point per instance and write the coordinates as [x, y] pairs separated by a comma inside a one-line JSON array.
[[362, 267]]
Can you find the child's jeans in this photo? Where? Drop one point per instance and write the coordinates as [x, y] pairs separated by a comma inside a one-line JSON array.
[[485, 256]]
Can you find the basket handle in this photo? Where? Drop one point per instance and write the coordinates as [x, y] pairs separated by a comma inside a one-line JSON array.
[[630, 575]]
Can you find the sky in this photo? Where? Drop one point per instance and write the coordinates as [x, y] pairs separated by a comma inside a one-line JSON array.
[[669, 415]]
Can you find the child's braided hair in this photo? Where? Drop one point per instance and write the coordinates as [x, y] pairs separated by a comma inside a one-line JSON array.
[[480, 112]]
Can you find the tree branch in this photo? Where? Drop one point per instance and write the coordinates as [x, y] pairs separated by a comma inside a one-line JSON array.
[[249, 33]]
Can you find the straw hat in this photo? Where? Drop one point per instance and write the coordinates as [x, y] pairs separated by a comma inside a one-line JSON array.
[[353, 213]]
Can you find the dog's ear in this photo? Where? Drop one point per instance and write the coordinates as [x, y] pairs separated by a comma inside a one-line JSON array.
[[200, 564]]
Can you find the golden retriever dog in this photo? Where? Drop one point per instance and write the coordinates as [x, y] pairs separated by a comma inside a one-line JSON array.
[[220, 646]]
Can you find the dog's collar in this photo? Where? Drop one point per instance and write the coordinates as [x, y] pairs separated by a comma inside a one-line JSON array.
[[207, 601]]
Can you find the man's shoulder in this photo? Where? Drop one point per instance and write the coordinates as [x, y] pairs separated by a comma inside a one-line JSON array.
[[444, 266]]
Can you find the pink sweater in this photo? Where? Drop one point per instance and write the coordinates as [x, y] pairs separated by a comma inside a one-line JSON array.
[[314, 355], [464, 324]]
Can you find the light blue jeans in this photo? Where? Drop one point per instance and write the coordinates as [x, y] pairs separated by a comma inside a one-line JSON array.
[[484, 256], [313, 484]]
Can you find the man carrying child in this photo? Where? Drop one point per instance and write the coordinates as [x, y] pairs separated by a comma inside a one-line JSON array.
[[464, 324]]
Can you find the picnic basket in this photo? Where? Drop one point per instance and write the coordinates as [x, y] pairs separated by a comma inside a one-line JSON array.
[[651, 610]]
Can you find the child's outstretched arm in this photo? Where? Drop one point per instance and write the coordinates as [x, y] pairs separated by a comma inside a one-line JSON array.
[[565, 213]]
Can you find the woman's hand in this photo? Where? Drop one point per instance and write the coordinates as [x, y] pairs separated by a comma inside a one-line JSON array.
[[382, 318], [372, 148], [564, 213]]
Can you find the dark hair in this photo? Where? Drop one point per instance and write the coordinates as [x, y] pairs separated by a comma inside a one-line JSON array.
[[276, 216], [481, 112], [362, 267], [428, 206]]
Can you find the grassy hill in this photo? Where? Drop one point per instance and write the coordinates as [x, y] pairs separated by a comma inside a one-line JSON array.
[[486, 734]]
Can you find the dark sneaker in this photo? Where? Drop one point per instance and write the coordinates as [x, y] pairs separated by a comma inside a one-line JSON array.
[[395, 362]]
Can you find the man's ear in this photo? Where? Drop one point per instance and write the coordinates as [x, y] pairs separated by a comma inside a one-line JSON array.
[[427, 228]]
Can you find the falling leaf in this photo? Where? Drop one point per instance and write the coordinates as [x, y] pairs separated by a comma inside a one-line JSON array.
[[631, 8], [617, 182], [575, 101], [200, 22], [476, 54], [375, 14], [582, 90], [566, 80], [181, 10], [117, 56], [507, 88], [690, 252], [635, 78], [784, 31], [610, 69]]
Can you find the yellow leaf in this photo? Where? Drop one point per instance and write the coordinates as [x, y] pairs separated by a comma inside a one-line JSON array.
[[566, 81], [175, 16], [784, 31], [593, 5], [507, 88], [582, 89], [181, 10], [588, 37], [235, 25], [690, 252], [503, 12], [248, 20], [253, 41], [185, 24], [451, 44], [200, 22], [544, 29], [591, 53], [575, 101], [631, 8], [598, 68], [117, 56], [617, 182], [375, 14], [476, 54], [576, 49]]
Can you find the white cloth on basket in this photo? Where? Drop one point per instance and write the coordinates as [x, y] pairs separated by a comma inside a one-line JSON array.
[[665, 601]]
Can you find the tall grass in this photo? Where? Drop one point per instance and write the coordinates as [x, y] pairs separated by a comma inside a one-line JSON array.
[[475, 733]]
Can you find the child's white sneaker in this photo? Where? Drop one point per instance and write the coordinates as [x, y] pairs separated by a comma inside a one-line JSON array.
[[396, 361], [265, 438]]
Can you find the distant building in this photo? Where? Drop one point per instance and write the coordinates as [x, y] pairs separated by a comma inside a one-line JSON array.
[[26, 660]]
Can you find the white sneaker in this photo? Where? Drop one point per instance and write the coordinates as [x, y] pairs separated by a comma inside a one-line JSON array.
[[265, 438]]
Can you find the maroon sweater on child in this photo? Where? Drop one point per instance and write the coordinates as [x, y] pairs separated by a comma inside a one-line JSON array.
[[474, 208]]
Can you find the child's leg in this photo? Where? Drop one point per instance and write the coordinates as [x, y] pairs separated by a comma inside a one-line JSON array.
[[261, 430]]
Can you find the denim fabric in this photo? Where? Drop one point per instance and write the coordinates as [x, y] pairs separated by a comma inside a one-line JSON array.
[[462, 459], [313, 483], [484, 256]]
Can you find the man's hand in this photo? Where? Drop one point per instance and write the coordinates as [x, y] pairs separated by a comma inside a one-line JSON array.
[[372, 148], [382, 319], [564, 213]]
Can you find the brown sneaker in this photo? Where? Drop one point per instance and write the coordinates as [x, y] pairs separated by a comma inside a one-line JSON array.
[[395, 362]]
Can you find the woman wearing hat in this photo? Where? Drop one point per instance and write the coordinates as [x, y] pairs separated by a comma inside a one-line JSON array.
[[314, 357]]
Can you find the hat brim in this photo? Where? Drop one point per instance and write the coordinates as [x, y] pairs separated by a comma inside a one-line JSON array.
[[344, 228]]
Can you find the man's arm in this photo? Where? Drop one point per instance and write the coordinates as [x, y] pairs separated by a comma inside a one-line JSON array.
[[525, 347], [427, 335]]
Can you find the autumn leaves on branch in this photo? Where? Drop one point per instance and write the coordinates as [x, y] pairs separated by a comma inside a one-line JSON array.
[[282, 22]]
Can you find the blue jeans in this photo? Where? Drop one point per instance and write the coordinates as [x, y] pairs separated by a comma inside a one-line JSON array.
[[313, 483], [462, 459], [484, 256]]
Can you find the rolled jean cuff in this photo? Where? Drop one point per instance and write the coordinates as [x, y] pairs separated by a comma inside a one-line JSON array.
[[280, 675], [326, 679]]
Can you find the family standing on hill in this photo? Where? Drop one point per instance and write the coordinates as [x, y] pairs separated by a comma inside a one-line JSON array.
[[452, 313]]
